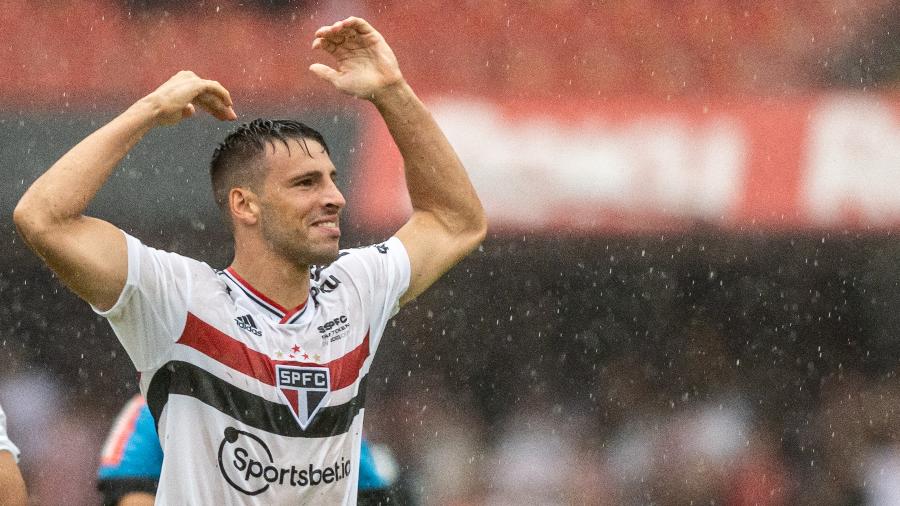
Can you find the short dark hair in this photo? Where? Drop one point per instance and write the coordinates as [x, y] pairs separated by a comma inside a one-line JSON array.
[[234, 160]]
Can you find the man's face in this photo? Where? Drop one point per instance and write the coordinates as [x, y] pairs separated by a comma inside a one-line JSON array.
[[300, 204]]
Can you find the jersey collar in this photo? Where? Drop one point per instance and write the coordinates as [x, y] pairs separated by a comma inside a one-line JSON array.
[[265, 303]]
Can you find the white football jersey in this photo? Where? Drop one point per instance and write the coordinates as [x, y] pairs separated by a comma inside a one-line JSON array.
[[5, 443], [256, 403]]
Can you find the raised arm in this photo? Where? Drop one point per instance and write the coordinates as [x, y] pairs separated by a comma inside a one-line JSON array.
[[89, 255], [448, 221]]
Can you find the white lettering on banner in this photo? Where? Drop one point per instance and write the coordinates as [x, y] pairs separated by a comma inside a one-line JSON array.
[[541, 169], [853, 167]]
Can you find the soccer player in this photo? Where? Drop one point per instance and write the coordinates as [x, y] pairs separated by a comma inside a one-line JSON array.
[[255, 375], [12, 486], [131, 462]]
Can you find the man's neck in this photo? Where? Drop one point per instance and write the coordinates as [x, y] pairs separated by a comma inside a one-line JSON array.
[[284, 282]]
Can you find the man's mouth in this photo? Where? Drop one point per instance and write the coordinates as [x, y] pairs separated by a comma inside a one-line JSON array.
[[330, 227]]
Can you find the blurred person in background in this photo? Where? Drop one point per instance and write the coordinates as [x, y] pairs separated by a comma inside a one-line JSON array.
[[241, 387], [537, 459], [131, 463], [438, 436], [12, 486], [53, 429], [688, 434], [131, 458], [857, 432]]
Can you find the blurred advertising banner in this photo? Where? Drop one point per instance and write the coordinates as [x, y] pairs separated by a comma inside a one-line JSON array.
[[812, 162]]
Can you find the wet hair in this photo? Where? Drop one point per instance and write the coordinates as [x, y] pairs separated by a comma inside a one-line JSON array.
[[236, 161]]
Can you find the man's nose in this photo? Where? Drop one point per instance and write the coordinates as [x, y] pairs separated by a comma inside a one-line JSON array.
[[334, 197]]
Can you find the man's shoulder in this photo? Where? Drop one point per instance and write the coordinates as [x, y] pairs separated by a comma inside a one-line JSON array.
[[202, 277], [170, 255], [352, 261], [381, 248]]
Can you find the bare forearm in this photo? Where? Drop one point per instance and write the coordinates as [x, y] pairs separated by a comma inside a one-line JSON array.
[[12, 487], [65, 190], [435, 177], [137, 499]]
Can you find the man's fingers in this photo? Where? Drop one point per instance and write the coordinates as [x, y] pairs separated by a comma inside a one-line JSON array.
[[216, 99], [188, 111], [180, 96], [217, 89], [216, 105], [349, 27], [324, 44], [229, 115], [325, 31], [324, 71], [361, 26]]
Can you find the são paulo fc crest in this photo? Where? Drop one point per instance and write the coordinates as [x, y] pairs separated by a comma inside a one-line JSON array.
[[304, 389]]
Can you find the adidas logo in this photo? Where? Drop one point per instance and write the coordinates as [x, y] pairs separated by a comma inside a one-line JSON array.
[[246, 322]]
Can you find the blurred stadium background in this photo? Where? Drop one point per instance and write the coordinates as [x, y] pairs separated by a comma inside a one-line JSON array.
[[690, 291]]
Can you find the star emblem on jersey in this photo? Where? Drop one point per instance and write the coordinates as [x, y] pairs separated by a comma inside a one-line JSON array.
[[304, 389]]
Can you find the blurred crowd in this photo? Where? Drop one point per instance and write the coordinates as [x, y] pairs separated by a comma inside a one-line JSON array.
[[70, 53], [683, 370]]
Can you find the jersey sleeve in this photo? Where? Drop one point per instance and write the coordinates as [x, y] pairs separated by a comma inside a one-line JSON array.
[[131, 460], [380, 274], [151, 311], [5, 443]]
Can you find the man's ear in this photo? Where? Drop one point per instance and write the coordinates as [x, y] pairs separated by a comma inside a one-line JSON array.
[[243, 204]]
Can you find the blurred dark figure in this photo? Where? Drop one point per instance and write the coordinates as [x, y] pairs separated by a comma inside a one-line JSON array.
[[686, 433], [858, 431]]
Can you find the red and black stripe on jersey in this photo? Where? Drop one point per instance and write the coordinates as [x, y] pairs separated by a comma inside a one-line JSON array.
[[178, 377]]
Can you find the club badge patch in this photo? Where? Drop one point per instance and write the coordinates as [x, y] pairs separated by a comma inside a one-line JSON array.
[[304, 389]]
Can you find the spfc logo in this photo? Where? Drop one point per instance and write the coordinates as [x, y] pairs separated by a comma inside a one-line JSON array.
[[304, 389]]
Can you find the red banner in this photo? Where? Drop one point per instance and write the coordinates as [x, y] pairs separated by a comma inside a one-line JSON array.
[[830, 161]]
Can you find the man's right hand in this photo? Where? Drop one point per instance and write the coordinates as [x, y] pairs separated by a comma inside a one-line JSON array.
[[179, 97]]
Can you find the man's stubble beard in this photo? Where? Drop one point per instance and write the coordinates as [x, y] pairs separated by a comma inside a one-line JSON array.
[[294, 248]]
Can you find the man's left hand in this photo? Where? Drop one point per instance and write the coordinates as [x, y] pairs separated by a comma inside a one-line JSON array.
[[364, 63]]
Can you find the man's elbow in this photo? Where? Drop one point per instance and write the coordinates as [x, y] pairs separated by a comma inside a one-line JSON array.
[[476, 230], [26, 219], [480, 228], [31, 220]]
